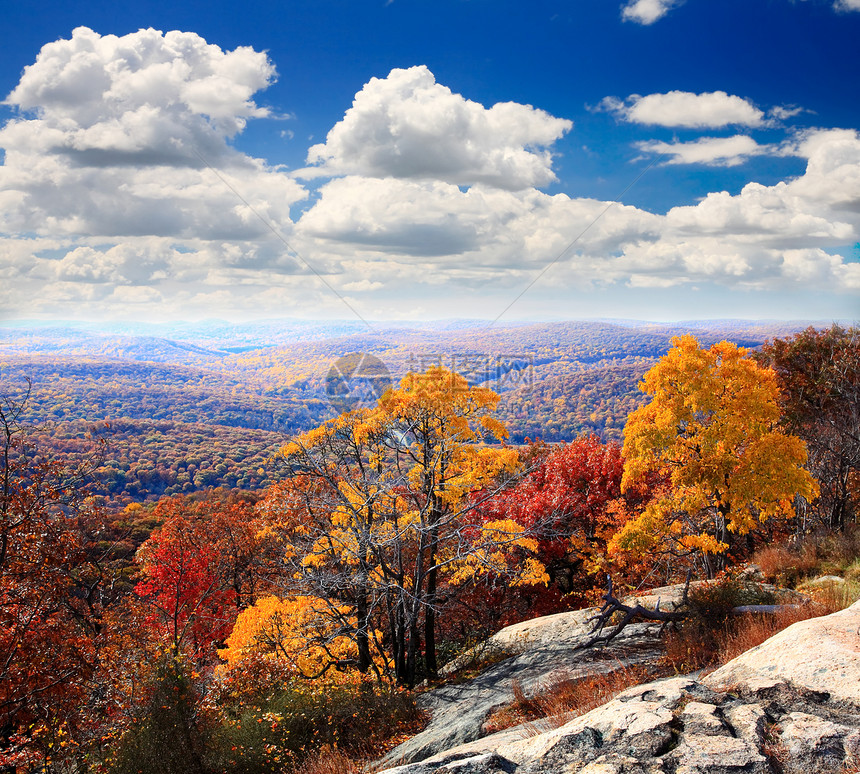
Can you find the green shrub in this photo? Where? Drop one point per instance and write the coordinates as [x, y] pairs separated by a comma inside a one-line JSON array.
[[852, 572], [713, 602], [170, 736], [281, 729]]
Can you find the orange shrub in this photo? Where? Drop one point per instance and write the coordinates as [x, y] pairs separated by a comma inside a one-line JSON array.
[[329, 760], [785, 566]]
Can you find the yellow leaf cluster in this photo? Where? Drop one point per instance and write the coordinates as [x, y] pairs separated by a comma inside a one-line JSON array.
[[495, 552], [710, 435], [289, 630]]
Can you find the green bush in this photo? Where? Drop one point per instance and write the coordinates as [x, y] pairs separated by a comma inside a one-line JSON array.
[[281, 729], [712, 603], [178, 731], [169, 737]]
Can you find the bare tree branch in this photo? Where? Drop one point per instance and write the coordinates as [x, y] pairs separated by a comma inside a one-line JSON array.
[[613, 605]]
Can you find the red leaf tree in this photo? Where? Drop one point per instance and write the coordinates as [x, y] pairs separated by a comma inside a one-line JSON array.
[[199, 568], [570, 499]]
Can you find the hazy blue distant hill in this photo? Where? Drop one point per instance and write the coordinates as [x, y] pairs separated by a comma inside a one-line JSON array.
[[558, 380]]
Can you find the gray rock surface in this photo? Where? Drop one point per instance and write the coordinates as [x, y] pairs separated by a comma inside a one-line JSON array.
[[790, 705], [697, 754], [542, 651], [820, 655], [811, 743]]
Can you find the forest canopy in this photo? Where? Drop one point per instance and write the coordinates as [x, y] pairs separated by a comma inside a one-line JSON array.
[[337, 565]]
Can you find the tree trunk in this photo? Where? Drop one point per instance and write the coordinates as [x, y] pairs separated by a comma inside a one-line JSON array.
[[430, 624], [362, 639], [432, 580], [710, 569], [414, 614], [412, 652]]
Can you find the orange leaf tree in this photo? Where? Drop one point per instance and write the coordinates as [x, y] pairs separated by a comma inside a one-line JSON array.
[[711, 431]]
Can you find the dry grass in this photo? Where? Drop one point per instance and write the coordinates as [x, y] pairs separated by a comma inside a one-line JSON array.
[[329, 761], [695, 645], [785, 566], [690, 648], [712, 635], [821, 554], [753, 630], [852, 572], [358, 759], [834, 596], [564, 698]]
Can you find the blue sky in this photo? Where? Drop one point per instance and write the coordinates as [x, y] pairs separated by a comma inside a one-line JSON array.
[[409, 159]]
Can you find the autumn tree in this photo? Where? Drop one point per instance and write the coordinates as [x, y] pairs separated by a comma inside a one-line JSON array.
[[819, 378], [50, 605], [563, 499], [158, 644], [332, 516], [198, 569], [299, 632], [711, 430], [379, 505], [439, 428]]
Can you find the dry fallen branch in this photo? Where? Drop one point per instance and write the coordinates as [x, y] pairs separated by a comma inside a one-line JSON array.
[[613, 605], [680, 611]]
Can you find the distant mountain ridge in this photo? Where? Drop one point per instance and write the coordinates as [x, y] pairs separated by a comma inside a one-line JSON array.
[[557, 380]]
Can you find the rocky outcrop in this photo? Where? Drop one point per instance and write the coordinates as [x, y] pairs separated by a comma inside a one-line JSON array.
[[530, 654], [819, 655], [789, 706]]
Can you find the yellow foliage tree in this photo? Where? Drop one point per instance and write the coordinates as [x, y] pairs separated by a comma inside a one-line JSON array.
[[380, 503], [296, 631], [440, 422], [710, 435]]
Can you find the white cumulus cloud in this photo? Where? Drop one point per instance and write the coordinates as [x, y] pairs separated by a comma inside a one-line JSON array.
[[409, 126], [711, 110], [106, 205], [120, 157], [647, 11], [767, 237], [481, 227], [144, 98], [116, 136], [417, 233], [713, 151]]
